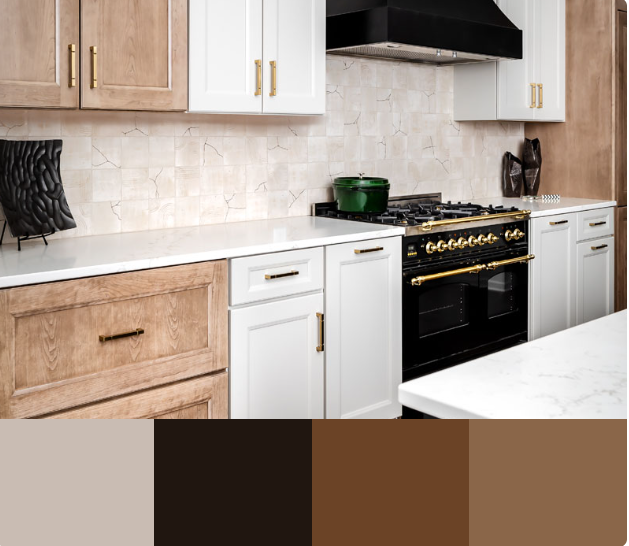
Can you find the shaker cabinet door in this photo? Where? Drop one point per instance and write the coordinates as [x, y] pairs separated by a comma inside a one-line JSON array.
[[37, 62], [134, 55], [595, 279]]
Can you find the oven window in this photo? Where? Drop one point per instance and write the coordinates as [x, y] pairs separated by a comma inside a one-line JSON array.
[[443, 308], [501, 294]]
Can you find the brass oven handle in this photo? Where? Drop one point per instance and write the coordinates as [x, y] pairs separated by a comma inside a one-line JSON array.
[[365, 250], [520, 260], [558, 223], [135, 333], [259, 77], [321, 346], [598, 247], [541, 95], [72, 49], [532, 95], [94, 68], [281, 275], [273, 92], [593, 224], [519, 215], [418, 281]]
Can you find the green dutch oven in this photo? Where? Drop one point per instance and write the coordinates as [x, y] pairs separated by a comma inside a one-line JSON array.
[[361, 194]]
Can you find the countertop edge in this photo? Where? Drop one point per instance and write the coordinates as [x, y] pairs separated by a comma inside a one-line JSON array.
[[574, 208]]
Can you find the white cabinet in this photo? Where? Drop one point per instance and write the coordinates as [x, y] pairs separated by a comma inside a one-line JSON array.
[[595, 279], [532, 88], [276, 371], [363, 329], [257, 56], [552, 292]]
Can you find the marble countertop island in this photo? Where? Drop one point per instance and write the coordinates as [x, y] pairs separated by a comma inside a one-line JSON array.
[[547, 208], [580, 373]]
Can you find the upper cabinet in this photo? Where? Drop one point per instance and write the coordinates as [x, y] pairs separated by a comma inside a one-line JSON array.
[[529, 89], [257, 56], [133, 54], [39, 40]]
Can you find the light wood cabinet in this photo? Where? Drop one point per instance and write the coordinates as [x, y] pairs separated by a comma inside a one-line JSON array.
[[61, 344], [134, 54], [36, 63], [595, 279], [364, 329]]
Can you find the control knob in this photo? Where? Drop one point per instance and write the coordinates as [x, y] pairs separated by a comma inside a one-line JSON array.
[[463, 242], [491, 239], [452, 244], [482, 240], [431, 247], [441, 246], [518, 234], [473, 241]]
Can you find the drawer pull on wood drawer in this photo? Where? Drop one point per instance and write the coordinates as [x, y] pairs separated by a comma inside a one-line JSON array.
[[136, 332], [598, 247], [281, 275], [365, 250], [593, 224], [321, 346], [558, 223]]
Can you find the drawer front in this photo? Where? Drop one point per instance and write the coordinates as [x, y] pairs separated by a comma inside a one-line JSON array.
[[595, 223], [276, 275]]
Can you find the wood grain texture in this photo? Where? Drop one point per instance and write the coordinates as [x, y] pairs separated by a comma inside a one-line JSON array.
[[620, 259], [35, 60], [142, 54], [50, 355], [190, 399]]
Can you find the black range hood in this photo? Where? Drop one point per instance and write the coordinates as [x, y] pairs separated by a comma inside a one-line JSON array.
[[425, 31]]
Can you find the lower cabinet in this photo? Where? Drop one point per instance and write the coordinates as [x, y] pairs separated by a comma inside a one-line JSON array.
[[277, 365], [595, 279], [363, 295]]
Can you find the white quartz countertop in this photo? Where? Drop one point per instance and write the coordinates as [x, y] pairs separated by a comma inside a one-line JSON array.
[[548, 208], [580, 373], [104, 254]]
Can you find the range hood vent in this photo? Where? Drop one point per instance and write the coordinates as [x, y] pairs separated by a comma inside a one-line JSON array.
[[423, 31]]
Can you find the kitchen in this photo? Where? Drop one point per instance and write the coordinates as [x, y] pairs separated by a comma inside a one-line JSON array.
[[262, 209]]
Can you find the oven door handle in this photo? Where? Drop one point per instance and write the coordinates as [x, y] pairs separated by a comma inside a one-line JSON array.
[[520, 260]]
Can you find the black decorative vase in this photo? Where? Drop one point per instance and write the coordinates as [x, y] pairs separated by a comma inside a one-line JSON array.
[[532, 166], [512, 176], [31, 193]]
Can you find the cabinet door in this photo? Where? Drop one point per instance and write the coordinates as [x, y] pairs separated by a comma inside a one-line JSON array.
[[294, 39], [36, 62], [515, 94], [276, 370], [550, 62], [363, 329], [552, 275], [595, 279], [141, 56], [225, 51], [621, 259]]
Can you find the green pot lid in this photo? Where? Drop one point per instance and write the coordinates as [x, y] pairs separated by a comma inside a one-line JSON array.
[[360, 181]]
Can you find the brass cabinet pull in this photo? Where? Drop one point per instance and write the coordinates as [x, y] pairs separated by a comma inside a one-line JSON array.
[[273, 92], [532, 95], [135, 333], [321, 345], [94, 68], [558, 223], [518, 215], [365, 250], [593, 224], [541, 95], [520, 260], [598, 247], [281, 275], [258, 77], [72, 49]]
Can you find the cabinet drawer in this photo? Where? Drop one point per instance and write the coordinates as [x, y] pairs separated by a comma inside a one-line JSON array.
[[595, 223], [75, 342], [202, 398], [276, 275]]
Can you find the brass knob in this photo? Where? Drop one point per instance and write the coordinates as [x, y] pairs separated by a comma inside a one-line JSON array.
[[509, 235], [452, 244], [431, 247], [482, 240], [463, 242], [518, 234], [441, 246], [473, 241], [491, 239]]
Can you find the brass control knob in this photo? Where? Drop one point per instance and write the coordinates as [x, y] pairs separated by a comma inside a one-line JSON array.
[[452, 244], [510, 235], [482, 240], [491, 239], [431, 247], [473, 241], [463, 242], [518, 234], [441, 246]]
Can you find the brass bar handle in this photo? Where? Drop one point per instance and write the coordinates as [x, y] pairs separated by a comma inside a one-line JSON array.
[[273, 92], [558, 223], [366, 250], [418, 281], [541, 95], [321, 346], [518, 215], [520, 260], [281, 275], [258, 77], [135, 333], [94, 83], [533, 97], [72, 49], [598, 247], [593, 224]]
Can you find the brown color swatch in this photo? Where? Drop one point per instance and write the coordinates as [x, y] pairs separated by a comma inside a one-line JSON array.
[[378, 482], [548, 483]]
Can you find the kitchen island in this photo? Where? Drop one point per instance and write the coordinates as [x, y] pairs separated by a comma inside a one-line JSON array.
[[579, 373]]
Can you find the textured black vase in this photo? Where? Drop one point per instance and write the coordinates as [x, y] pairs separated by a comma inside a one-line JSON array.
[[31, 193], [512, 176], [532, 166]]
